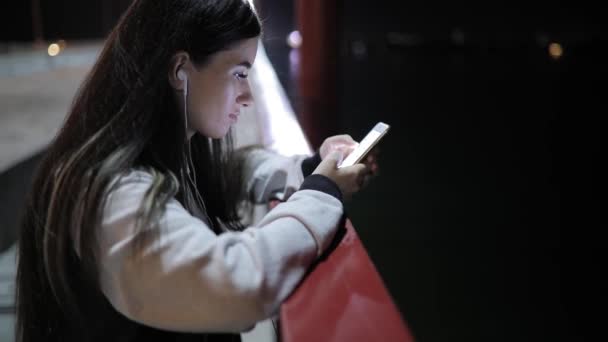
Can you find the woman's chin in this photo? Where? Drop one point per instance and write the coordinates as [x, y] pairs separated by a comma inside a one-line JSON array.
[[216, 133]]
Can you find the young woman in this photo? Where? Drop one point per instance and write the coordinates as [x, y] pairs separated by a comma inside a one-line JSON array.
[[132, 230]]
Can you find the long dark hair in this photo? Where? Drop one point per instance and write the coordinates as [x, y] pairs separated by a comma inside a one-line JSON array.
[[124, 117]]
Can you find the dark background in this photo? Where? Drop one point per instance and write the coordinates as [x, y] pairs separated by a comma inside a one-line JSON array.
[[485, 222]]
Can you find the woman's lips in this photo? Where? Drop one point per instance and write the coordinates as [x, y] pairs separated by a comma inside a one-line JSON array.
[[234, 117]]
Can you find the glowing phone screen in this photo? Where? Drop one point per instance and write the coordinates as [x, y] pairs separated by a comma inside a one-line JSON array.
[[370, 139]]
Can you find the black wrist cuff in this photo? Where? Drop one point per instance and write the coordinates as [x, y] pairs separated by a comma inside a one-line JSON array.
[[310, 164], [323, 184]]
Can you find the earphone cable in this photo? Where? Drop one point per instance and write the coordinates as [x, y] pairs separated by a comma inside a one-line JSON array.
[[190, 165]]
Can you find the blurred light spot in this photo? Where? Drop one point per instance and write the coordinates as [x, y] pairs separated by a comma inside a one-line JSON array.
[[294, 39], [555, 50], [53, 50], [359, 49]]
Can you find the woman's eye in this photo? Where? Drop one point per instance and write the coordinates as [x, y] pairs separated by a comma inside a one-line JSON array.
[[240, 75]]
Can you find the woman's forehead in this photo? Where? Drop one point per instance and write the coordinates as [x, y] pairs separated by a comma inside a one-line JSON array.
[[242, 53]]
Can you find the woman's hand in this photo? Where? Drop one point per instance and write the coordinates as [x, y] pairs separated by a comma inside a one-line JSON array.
[[346, 144], [343, 143], [349, 179], [372, 163]]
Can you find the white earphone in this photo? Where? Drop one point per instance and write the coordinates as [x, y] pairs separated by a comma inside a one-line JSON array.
[[182, 76]]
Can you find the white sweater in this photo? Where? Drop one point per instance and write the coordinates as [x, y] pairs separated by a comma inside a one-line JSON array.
[[188, 279]]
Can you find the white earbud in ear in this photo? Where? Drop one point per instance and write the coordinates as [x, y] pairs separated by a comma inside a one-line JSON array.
[[181, 75]]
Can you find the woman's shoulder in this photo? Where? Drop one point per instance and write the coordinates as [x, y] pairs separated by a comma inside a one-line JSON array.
[[129, 190], [134, 181]]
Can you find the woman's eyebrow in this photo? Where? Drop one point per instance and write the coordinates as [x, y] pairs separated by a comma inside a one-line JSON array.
[[245, 64]]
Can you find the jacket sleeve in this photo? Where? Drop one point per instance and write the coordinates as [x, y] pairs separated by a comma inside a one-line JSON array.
[[268, 172], [184, 277]]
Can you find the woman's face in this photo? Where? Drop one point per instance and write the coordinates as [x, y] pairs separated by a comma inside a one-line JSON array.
[[218, 90]]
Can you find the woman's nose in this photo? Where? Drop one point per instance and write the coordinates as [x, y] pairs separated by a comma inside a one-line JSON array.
[[245, 98]]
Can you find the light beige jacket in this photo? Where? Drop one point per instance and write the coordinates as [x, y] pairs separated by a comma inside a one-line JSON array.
[[192, 280]]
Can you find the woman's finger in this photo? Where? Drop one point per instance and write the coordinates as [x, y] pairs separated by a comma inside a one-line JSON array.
[[344, 138]]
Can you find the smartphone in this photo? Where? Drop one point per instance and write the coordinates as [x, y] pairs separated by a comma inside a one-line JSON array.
[[365, 146]]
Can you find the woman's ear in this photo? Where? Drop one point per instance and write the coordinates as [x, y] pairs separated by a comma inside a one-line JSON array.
[[179, 62]]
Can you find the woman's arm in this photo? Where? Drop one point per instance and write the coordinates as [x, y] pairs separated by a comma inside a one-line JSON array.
[[268, 172], [184, 277]]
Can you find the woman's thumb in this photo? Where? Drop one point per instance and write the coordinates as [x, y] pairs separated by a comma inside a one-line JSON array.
[[335, 157]]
